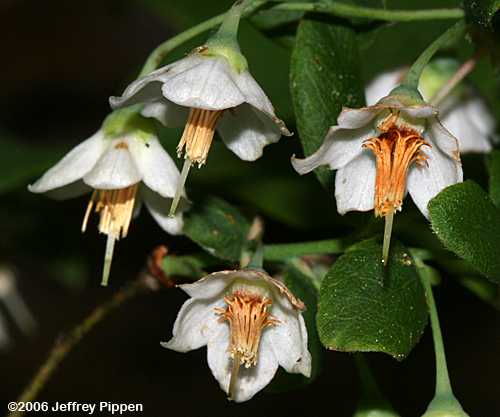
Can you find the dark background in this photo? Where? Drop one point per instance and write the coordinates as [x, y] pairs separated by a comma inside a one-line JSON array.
[[60, 62]]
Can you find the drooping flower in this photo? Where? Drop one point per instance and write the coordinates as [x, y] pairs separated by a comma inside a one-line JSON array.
[[123, 164], [210, 89], [463, 112], [382, 151], [246, 318]]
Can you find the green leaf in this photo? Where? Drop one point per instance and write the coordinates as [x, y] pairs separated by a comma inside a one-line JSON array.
[[468, 223], [325, 75], [217, 227], [494, 171], [481, 12], [364, 307], [188, 266], [301, 285]]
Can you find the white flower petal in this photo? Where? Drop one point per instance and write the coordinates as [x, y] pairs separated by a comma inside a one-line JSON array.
[[166, 112], [480, 114], [382, 85], [246, 131], [440, 136], [148, 88], [470, 137], [252, 91], [195, 324], [157, 169], [207, 85], [355, 184], [215, 284], [288, 340], [250, 380], [114, 170], [212, 285], [425, 182], [339, 148], [159, 208], [420, 112], [77, 163], [218, 357], [356, 118]]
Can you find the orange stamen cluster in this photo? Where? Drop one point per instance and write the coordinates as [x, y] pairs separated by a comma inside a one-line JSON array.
[[198, 134], [247, 315], [115, 208], [395, 149]]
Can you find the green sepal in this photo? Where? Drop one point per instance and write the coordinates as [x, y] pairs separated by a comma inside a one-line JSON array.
[[406, 95], [445, 406], [128, 120], [224, 43]]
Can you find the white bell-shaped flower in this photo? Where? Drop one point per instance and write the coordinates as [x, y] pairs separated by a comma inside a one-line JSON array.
[[463, 112], [204, 93], [210, 89], [247, 318], [382, 151], [122, 167]]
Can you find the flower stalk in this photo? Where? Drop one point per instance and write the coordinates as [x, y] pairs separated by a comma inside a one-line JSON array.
[[444, 401], [451, 35]]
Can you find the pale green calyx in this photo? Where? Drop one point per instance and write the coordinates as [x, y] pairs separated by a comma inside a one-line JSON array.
[[218, 48], [225, 41], [407, 96], [436, 75], [127, 121], [445, 405], [246, 286]]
